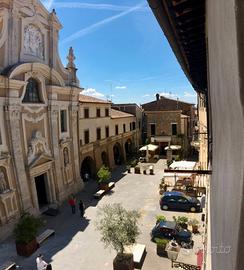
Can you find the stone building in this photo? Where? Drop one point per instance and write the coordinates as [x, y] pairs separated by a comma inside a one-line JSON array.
[[169, 122], [107, 136], [39, 105]]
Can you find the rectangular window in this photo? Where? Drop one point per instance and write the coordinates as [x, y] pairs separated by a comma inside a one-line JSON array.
[[134, 125], [124, 128], [98, 133], [87, 136], [63, 119], [86, 113], [98, 112], [116, 129], [174, 129], [107, 131], [130, 126], [153, 129], [106, 112]]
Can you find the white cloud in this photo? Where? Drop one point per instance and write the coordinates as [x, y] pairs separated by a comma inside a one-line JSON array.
[[147, 95], [168, 95], [95, 26], [93, 92], [187, 94], [48, 4], [120, 87], [95, 6]]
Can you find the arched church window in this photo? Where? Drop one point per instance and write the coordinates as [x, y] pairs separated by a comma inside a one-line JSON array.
[[32, 92]]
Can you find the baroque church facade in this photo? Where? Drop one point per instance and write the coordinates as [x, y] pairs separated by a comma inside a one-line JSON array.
[[39, 113]]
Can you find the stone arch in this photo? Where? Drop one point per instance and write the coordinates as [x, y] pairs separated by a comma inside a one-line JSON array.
[[105, 159], [118, 154], [88, 167]]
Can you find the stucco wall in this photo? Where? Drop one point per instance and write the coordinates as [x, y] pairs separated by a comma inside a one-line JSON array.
[[227, 129]]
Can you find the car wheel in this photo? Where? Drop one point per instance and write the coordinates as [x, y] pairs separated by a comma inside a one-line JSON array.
[[193, 209], [165, 207]]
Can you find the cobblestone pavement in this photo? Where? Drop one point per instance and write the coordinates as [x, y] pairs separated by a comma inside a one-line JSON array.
[[76, 244]]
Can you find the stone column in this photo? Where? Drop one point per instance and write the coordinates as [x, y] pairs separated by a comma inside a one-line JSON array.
[[16, 139]]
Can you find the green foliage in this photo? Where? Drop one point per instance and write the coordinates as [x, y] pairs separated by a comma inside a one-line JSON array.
[[193, 222], [134, 163], [160, 218], [161, 242], [26, 229], [180, 219], [103, 174], [118, 226]]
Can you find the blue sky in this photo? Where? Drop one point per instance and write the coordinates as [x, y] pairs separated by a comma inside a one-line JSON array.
[[121, 52]]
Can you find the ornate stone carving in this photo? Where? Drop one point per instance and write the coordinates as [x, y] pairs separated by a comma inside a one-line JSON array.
[[38, 146], [66, 156], [3, 182], [33, 41]]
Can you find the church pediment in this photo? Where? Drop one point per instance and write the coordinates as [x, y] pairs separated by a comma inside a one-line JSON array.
[[40, 160]]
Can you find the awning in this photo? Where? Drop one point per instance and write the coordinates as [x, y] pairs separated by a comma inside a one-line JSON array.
[[173, 147], [183, 165], [149, 147]]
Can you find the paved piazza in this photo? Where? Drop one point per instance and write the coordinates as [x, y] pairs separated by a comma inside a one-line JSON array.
[[76, 245]]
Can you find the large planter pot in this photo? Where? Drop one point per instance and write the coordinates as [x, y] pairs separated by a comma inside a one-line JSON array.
[[123, 262], [26, 249], [161, 251], [172, 251], [104, 186], [137, 170], [194, 228]]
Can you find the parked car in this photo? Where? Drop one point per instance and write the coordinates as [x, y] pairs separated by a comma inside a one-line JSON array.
[[170, 230], [175, 200]]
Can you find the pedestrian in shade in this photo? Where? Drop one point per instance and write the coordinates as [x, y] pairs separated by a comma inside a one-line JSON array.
[[72, 203], [81, 208]]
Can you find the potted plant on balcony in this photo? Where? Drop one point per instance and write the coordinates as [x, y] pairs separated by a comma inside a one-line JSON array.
[[103, 175], [25, 234], [119, 229], [161, 245], [181, 221], [194, 223], [160, 218]]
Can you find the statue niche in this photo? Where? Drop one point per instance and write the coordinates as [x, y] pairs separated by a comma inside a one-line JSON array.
[[33, 41], [3, 181]]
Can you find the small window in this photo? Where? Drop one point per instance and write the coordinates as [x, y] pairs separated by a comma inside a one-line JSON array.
[[134, 125], [86, 136], [63, 119], [153, 129], [106, 112], [86, 113], [116, 129], [130, 126], [98, 133], [174, 129], [32, 92], [124, 128], [107, 131], [98, 113]]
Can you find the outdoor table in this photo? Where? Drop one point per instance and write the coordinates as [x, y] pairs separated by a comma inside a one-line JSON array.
[[186, 259]]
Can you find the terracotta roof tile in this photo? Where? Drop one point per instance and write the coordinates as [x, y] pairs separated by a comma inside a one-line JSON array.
[[89, 99], [119, 114]]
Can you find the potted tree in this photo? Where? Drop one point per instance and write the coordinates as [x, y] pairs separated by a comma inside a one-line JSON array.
[[103, 175], [194, 223], [181, 221], [119, 229], [161, 245], [25, 234], [160, 218]]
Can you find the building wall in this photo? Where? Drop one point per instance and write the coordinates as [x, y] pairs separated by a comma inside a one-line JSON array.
[[31, 141], [225, 90]]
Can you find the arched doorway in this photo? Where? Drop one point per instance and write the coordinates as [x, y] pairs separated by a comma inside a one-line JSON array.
[[118, 155], [88, 169], [104, 157], [128, 148]]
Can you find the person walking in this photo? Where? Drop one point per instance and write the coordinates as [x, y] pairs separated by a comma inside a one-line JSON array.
[[72, 204], [81, 208], [40, 263]]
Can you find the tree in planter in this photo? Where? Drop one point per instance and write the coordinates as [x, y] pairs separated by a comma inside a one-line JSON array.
[[25, 234], [181, 221], [119, 228], [160, 218], [103, 175], [194, 223], [161, 245]]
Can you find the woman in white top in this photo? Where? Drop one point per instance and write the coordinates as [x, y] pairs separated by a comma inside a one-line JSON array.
[[41, 264]]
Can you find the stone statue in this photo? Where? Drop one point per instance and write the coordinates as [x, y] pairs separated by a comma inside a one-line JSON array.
[[66, 156], [33, 41], [3, 183]]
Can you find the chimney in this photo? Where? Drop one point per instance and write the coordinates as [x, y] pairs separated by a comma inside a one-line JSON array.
[[157, 97]]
